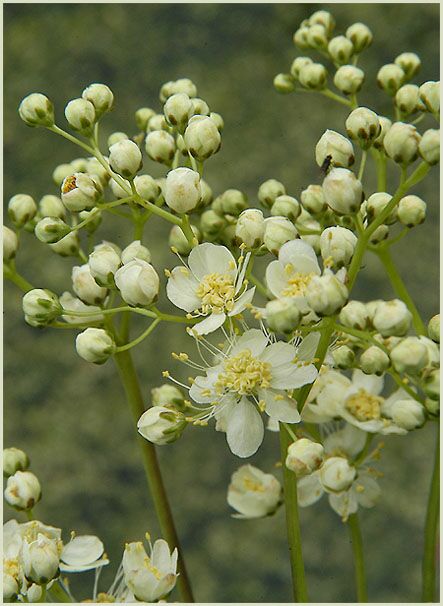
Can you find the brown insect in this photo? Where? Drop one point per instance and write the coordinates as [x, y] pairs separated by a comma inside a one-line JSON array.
[[327, 163]]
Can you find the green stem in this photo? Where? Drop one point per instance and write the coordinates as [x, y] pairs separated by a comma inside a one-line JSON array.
[[152, 470], [136, 310], [186, 229], [140, 338], [259, 286], [361, 170], [357, 548], [328, 93], [430, 547], [11, 275], [164, 214], [59, 131], [57, 592], [300, 590]]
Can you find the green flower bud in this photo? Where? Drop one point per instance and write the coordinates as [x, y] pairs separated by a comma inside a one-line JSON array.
[[343, 357], [278, 230], [304, 457], [337, 245], [390, 77], [363, 126], [317, 36], [376, 204], [349, 79], [41, 306], [380, 234], [125, 158], [385, 125], [81, 191], [250, 228], [374, 361], [142, 117], [411, 211], [269, 191], [80, 115], [51, 229], [178, 109], [200, 107], [284, 83], [211, 224], [147, 187], [340, 50], [169, 396], [160, 146], [342, 191], [432, 407], [161, 425], [100, 96], [23, 491], [392, 318], [326, 294], [52, 206], [61, 172], [95, 345], [135, 250], [178, 240], [10, 243], [36, 110], [21, 209], [218, 120], [431, 384], [80, 165], [313, 76], [116, 138], [233, 202], [354, 315], [282, 315], [202, 137], [157, 122], [300, 38], [14, 460], [313, 200], [67, 246], [410, 64], [430, 96], [434, 328], [297, 64], [182, 192], [336, 148], [323, 18], [286, 206], [182, 85], [407, 99], [401, 143], [360, 35], [429, 146]]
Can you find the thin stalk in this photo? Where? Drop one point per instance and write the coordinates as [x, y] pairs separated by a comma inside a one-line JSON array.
[[300, 590], [328, 93], [134, 396], [59, 131], [361, 170], [140, 338], [187, 231], [431, 524], [59, 593], [10, 274], [357, 548]]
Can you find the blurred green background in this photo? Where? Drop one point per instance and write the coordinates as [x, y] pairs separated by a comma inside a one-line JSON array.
[[71, 417]]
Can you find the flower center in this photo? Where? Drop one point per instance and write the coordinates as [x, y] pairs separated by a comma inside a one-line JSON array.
[[364, 406], [297, 283], [11, 567], [69, 184], [216, 292], [155, 571], [243, 374], [253, 485]]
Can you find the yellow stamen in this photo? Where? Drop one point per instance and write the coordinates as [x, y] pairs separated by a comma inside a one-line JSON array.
[[364, 406], [243, 374], [297, 284], [216, 292]]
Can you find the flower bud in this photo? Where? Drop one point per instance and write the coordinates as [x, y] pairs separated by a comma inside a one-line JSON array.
[[390, 77], [376, 205], [336, 474], [431, 384], [95, 345], [61, 172], [22, 490], [183, 192], [278, 230], [70, 303], [178, 109], [10, 243], [182, 85], [407, 99], [21, 209], [392, 318], [116, 138], [432, 407], [125, 158], [40, 559], [34, 593], [218, 120], [202, 137], [41, 306], [380, 234], [282, 315], [142, 117], [206, 194], [286, 206], [36, 110], [160, 146], [304, 457], [80, 114], [161, 425], [343, 357], [211, 223], [178, 240], [167, 395], [411, 211], [340, 49], [52, 206], [401, 143], [103, 263], [342, 191], [363, 126], [317, 36], [100, 174], [360, 35], [313, 76], [326, 294], [297, 64], [135, 250], [410, 355], [51, 229], [300, 38], [200, 107], [354, 315], [85, 287], [147, 187], [67, 246], [254, 494], [430, 96], [138, 282], [337, 244], [284, 83], [323, 18], [385, 125], [158, 122], [81, 191], [434, 328], [100, 96], [10, 587], [408, 414], [429, 146], [374, 361], [269, 191], [80, 165], [313, 199], [335, 147], [349, 79], [306, 222], [250, 228], [410, 64], [14, 460]]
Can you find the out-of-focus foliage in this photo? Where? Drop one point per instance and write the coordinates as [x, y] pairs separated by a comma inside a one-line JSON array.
[[71, 417]]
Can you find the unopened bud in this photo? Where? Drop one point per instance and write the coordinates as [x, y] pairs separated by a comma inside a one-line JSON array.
[[380, 234], [407, 99], [36, 110], [363, 126], [61, 172], [340, 49], [401, 143], [52, 206], [269, 191], [408, 414], [336, 148], [95, 345], [342, 191], [21, 209], [360, 35], [390, 77], [179, 241], [233, 202], [160, 146], [182, 85], [392, 318], [336, 474], [138, 282], [374, 361], [411, 211], [284, 83], [430, 96], [142, 117], [354, 315], [167, 395], [286, 206], [429, 146], [300, 38], [103, 263], [161, 425], [200, 107], [51, 229], [182, 192], [434, 328], [116, 138], [431, 384], [313, 76], [376, 204], [14, 460], [349, 79], [85, 287], [80, 114], [41, 306], [218, 120], [343, 357], [304, 457], [10, 243], [385, 125], [282, 315], [125, 158], [250, 228], [202, 137], [22, 490], [135, 250], [326, 294], [100, 96], [178, 109], [410, 64], [313, 199], [410, 355], [278, 230], [323, 18], [297, 64], [212, 223], [317, 36], [338, 245], [67, 246]]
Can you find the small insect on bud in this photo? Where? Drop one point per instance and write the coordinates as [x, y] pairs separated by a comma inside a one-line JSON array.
[[95, 345], [80, 115], [103, 263], [278, 230], [317, 36], [160, 146], [411, 211], [22, 490], [374, 361], [342, 191], [125, 158], [202, 138], [434, 328], [336, 474], [10, 243], [337, 244], [211, 223], [269, 191], [313, 76], [14, 460], [410, 355], [178, 109], [343, 357], [51, 229], [340, 50], [21, 209], [376, 204], [233, 202], [85, 287], [116, 137], [179, 241], [354, 315], [360, 35], [135, 250], [81, 191], [304, 457], [282, 315], [297, 64], [100, 96], [138, 282], [401, 143], [407, 99], [36, 110], [337, 148], [385, 125], [286, 206], [430, 96], [142, 117], [313, 199], [390, 77], [363, 126], [408, 414], [183, 191], [40, 306], [392, 318], [161, 425], [326, 294], [429, 146], [284, 83], [349, 79], [410, 64], [300, 38], [323, 18], [250, 228]]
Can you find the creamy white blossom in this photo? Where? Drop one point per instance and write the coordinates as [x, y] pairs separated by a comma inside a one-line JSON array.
[[138, 282], [253, 493]]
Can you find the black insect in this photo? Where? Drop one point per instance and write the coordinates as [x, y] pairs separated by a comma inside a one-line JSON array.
[[327, 163]]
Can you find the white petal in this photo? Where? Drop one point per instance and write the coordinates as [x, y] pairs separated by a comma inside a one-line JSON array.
[[209, 324], [161, 556], [278, 353], [244, 429], [399, 394], [272, 425], [281, 408], [370, 383], [254, 340], [200, 385], [82, 550], [242, 301], [350, 439], [309, 490], [308, 347], [276, 278], [371, 490], [291, 378], [181, 288], [210, 258], [300, 255], [85, 567], [343, 503]]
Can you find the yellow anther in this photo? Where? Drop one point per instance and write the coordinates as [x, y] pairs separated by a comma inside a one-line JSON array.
[[359, 488], [191, 380], [364, 406], [174, 249], [243, 374], [184, 271], [262, 405], [232, 265], [167, 273], [278, 397], [278, 464], [297, 283], [216, 292], [147, 536], [166, 374], [253, 485]]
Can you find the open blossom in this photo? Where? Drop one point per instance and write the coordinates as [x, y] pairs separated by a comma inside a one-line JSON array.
[[253, 493], [212, 285], [250, 377]]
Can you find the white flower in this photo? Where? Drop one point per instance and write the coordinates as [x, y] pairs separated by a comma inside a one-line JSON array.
[[80, 191], [153, 577], [125, 158], [253, 494], [336, 474], [22, 490], [14, 460], [252, 375], [103, 263], [36, 110], [82, 553], [138, 282], [321, 410], [212, 285]]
